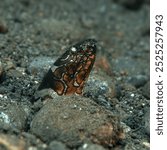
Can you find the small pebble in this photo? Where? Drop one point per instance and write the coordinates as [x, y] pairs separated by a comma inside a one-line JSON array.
[[55, 145], [13, 115], [3, 28]]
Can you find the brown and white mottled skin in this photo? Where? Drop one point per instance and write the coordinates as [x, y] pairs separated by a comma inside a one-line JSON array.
[[69, 73]]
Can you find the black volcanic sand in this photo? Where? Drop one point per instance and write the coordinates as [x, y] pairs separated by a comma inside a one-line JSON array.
[[112, 113]]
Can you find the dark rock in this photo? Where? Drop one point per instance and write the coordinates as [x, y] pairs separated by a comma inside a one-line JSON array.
[[32, 142], [146, 90], [147, 122], [55, 145], [138, 80], [30, 138], [3, 28], [99, 85], [13, 115], [131, 4], [44, 95], [72, 120]]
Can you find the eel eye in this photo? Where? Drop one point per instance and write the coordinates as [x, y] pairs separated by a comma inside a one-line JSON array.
[[70, 72]]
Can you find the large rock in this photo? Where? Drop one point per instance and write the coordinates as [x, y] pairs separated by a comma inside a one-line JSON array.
[[73, 120]]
